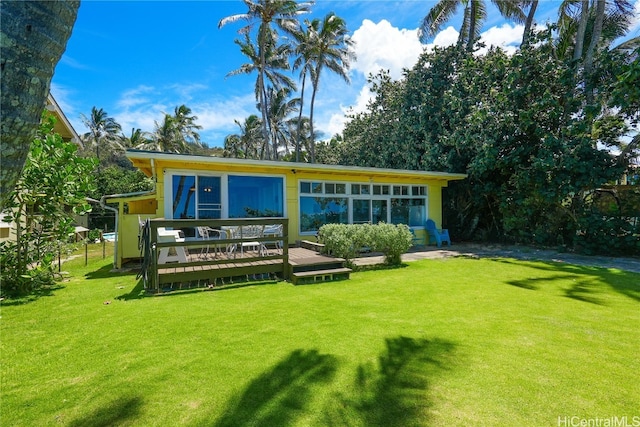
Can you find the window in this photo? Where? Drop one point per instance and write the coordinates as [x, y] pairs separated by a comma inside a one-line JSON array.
[[255, 196], [361, 211], [408, 211], [379, 190], [374, 203], [196, 197], [201, 196], [317, 211]]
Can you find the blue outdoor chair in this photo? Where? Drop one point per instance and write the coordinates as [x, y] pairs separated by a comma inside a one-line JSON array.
[[439, 235]]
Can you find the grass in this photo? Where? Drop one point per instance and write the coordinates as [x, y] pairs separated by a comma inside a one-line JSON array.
[[437, 342]]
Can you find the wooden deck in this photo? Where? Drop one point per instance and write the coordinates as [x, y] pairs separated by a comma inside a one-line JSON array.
[[172, 261], [221, 268]]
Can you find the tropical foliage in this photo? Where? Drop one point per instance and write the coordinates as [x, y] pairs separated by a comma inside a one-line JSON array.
[[34, 36], [519, 127], [49, 193]]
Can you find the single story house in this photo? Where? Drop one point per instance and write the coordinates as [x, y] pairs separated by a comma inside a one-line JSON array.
[[309, 195]]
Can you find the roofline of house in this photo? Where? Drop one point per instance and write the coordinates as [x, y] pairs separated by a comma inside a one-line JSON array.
[[292, 166], [54, 106]]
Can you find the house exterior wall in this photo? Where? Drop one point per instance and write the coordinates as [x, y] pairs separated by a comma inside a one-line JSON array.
[[158, 205]]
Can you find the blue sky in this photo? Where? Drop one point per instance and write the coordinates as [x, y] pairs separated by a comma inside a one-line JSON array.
[[138, 60]]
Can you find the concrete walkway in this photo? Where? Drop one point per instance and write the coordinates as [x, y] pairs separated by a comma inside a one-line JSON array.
[[476, 250]]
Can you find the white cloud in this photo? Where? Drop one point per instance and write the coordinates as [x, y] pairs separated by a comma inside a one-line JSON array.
[[447, 37], [381, 46], [220, 114], [186, 91], [333, 119], [136, 96], [505, 36]]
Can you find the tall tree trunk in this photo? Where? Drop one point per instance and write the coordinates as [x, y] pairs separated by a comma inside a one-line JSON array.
[[299, 135], [582, 29], [529, 22], [472, 25], [312, 148], [593, 46], [34, 35]]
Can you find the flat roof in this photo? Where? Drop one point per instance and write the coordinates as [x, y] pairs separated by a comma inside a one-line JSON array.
[[139, 159]]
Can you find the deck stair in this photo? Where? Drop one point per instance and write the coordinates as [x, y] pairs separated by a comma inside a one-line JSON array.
[[308, 266]]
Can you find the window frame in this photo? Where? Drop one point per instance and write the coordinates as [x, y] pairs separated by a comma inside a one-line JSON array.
[[224, 188], [375, 191]]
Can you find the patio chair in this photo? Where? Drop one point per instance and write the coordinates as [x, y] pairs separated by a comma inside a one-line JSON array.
[[439, 235], [210, 234]]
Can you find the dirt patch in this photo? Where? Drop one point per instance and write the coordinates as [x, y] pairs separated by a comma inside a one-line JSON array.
[[509, 251]]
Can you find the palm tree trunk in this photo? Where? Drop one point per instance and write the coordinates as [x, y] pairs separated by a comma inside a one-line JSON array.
[[472, 25], [34, 36], [593, 45], [299, 135], [529, 22], [582, 29], [312, 148]]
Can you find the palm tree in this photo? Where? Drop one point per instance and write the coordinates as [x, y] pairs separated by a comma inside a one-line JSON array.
[[186, 127], [281, 107], [103, 131], [282, 13], [276, 61], [164, 136], [304, 51], [592, 24], [332, 50], [579, 21], [474, 15], [248, 142], [138, 139], [34, 36]]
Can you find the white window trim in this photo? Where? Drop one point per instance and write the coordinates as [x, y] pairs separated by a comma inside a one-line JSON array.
[[224, 187], [371, 196]]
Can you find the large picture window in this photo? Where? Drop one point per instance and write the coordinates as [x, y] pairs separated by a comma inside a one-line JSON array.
[[360, 203], [255, 197], [317, 211], [235, 196]]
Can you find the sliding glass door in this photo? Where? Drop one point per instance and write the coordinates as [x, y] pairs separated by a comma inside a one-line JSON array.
[[196, 197]]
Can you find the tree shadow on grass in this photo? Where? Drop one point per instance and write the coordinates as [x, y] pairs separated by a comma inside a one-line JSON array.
[[396, 392], [44, 291], [534, 283], [107, 271], [280, 395], [586, 281], [376, 267], [115, 413]]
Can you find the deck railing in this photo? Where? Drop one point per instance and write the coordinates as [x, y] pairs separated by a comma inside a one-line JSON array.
[[189, 266]]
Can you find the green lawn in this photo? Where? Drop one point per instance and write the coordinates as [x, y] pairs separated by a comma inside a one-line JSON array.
[[437, 342]]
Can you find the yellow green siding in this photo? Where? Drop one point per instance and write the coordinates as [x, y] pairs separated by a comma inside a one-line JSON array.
[[161, 164]]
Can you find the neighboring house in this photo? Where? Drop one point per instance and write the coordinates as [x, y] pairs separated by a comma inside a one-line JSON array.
[[64, 128], [309, 195]]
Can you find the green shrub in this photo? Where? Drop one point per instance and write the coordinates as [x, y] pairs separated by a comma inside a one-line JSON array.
[[392, 241], [348, 240], [345, 240], [16, 283]]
